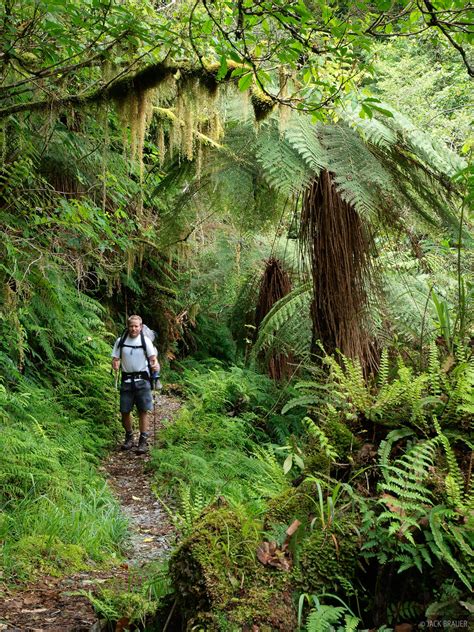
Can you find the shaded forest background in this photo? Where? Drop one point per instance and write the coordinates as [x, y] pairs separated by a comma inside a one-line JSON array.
[[284, 192]]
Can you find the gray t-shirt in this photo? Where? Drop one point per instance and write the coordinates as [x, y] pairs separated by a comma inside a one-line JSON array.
[[133, 356]]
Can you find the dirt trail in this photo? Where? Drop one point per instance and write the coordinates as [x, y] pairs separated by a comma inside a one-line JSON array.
[[49, 604]]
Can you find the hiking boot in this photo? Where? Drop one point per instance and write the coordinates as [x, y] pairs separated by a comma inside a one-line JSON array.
[[142, 443], [128, 443]]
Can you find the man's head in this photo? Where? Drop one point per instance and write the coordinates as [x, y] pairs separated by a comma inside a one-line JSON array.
[[134, 324]]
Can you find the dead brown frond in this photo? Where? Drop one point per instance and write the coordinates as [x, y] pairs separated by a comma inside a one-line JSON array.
[[275, 285], [338, 245]]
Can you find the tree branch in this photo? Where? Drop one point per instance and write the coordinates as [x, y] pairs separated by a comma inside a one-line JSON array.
[[437, 23]]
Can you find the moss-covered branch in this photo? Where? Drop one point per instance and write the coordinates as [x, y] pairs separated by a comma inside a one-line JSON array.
[[121, 86]]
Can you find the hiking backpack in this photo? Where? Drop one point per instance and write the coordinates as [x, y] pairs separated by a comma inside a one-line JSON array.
[[150, 334]]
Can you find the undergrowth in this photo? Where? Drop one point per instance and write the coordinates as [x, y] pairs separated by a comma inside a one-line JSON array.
[[214, 446], [57, 417]]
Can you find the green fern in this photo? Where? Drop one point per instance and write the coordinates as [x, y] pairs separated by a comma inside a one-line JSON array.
[[324, 618], [191, 507], [302, 135], [445, 534], [286, 317], [409, 502], [454, 481], [351, 382], [327, 449], [284, 168], [386, 445]]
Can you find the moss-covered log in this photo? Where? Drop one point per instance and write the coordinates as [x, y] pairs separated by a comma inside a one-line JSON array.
[[220, 583]]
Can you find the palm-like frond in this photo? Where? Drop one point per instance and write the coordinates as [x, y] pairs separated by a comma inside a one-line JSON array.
[[287, 324]]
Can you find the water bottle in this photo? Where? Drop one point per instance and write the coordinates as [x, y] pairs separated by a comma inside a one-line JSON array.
[[155, 378]]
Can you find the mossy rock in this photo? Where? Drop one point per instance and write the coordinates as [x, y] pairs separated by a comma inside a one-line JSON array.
[[267, 602], [218, 578], [295, 503], [114, 605], [326, 556], [202, 565], [340, 438]]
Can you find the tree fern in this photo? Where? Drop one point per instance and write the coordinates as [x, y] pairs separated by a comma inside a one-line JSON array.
[[373, 130], [360, 177], [283, 167], [291, 307], [302, 135]]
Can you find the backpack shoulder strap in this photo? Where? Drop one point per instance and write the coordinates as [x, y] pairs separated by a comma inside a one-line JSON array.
[[123, 337], [142, 336]]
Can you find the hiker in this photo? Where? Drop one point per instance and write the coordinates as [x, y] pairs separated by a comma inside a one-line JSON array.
[[136, 355]]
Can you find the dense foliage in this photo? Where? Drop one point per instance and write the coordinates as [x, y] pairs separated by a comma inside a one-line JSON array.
[[269, 185]]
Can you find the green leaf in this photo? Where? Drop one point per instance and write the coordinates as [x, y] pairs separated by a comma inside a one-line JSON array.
[[299, 461], [223, 68], [288, 464], [383, 111], [245, 81]]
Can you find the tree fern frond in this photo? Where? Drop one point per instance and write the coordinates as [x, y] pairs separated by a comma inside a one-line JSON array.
[[293, 304], [283, 167], [360, 177], [302, 135], [373, 130]]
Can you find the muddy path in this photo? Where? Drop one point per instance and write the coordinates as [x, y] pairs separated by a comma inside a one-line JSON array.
[[50, 604]]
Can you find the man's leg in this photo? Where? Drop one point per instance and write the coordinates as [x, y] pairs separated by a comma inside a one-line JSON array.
[[143, 439], [143, 421], [126, 402], [127, 422], [144, 405]]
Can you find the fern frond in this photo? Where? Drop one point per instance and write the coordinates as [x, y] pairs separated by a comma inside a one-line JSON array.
[[324, 618], [442, 549], [284, 168], [281, 315], [454, 481], [328, 450], [302, 135], [385, 447]]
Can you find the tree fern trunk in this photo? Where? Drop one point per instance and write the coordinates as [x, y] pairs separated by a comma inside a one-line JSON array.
[[338, 245]]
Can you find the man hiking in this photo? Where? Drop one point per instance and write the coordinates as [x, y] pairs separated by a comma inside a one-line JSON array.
[[136, 355]]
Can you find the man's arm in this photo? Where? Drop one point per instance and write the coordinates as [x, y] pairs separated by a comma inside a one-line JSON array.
[[116, 356], [152, 355], [155, 365]]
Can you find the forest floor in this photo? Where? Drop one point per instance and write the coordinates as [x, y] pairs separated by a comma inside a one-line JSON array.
[[51, 603]]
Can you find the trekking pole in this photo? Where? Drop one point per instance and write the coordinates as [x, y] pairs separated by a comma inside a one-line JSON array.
[[156, 386]]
